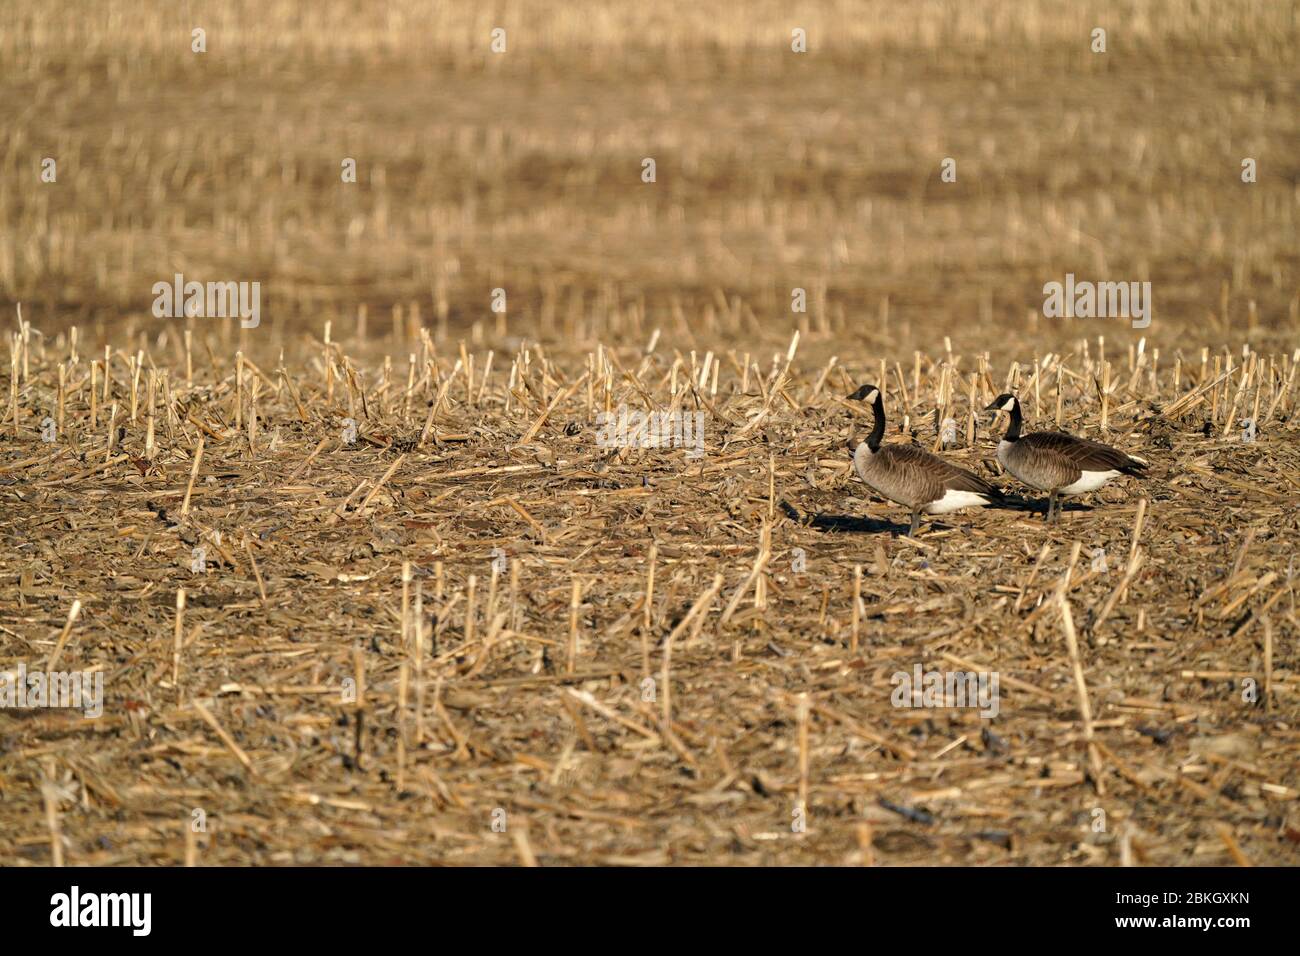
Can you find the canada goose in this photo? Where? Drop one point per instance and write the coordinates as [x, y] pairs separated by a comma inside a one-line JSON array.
[[1058, 463], [912, 477]]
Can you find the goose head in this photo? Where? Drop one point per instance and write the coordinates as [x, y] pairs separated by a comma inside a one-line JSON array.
[[1006, 402], [865, 393]]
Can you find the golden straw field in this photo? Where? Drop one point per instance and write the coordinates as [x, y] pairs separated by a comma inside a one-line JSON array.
[[365, 578]]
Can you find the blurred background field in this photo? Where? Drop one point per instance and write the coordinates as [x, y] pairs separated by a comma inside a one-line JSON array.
[[775, 170]]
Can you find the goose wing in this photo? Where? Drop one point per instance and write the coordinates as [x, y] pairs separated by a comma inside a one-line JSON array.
[[1082, 453]]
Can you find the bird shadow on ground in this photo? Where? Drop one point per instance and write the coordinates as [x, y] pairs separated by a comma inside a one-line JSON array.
[[855, 524], [1035, 506]]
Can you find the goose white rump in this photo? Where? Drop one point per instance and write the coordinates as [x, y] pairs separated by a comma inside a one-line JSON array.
[[1088, 481], [954, 500]]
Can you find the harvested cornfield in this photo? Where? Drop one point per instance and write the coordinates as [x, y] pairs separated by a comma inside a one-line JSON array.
[[489, 499], [354, 614]]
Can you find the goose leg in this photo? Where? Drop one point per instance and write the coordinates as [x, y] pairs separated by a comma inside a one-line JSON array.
[[1053, 509], [916, 524]]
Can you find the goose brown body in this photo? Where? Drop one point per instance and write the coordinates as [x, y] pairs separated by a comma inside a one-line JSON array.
[[1054, 461], [909, 476]]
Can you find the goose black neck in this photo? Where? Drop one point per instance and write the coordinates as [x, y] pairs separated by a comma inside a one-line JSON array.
[[878, 429], [1013, 429]]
